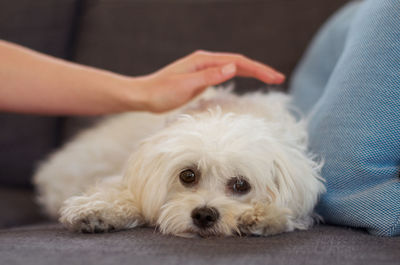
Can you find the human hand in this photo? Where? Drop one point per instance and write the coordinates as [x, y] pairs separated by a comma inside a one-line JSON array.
[[182, 80]]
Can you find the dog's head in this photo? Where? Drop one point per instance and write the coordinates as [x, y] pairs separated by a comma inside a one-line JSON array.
[[203, 172]]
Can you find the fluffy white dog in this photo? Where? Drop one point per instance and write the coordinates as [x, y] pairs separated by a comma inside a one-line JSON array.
[[223, 165]]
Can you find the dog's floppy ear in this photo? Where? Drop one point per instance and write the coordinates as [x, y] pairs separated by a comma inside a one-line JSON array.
[[298, 181], [145, 176]]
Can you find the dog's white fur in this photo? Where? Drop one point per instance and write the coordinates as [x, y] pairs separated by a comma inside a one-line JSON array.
[[125, 172]]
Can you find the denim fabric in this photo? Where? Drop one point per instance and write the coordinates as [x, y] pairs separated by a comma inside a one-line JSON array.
[[349, 84]]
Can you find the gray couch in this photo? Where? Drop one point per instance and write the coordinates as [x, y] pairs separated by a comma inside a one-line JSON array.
[[136, 37]]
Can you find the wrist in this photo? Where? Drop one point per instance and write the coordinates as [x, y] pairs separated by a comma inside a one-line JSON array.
[[132, 94]]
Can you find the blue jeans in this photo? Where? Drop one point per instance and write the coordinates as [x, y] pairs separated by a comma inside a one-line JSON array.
[[348, 85]]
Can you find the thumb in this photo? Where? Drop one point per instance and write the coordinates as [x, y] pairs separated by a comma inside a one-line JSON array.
[[211, 76]]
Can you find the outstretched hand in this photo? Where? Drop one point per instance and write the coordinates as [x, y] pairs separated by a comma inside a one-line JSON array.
[[182, 80], [32, 82]]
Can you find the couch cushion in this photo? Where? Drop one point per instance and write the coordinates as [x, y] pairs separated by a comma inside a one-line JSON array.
[[17, 207], [354, 120], [44, 25], [51, 244], [24, 141], [137, 37]]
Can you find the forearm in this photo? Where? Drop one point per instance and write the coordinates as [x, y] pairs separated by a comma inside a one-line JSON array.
[[35, 83]]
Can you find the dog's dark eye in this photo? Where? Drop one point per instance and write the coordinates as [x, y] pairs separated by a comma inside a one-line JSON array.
[[188, 177], [239, 185]]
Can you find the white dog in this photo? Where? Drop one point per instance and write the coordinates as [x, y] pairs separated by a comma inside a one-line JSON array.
[[223, 165]]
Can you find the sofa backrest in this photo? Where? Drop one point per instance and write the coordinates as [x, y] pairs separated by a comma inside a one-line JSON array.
[[137, 37]]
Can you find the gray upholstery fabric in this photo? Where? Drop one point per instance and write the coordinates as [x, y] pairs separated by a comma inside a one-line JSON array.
[[44, 25], [18, 207], [24, 140], [51, 244], [137, 37]]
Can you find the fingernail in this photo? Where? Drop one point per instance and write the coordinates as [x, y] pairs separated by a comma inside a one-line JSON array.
[[229, 69]]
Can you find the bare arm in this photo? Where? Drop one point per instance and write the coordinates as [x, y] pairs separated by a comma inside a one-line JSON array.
[[32, 82]]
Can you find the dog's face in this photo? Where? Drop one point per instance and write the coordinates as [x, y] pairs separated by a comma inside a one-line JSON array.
[[203, 173]]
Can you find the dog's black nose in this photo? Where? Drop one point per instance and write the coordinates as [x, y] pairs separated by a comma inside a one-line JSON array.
[[205, 217]]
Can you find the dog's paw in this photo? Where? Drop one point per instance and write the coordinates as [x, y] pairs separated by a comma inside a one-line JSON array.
[[263, 219], [82, 215], [93, 224]]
